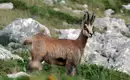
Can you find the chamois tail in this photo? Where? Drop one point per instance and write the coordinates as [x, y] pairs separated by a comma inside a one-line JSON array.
[[27, 41]]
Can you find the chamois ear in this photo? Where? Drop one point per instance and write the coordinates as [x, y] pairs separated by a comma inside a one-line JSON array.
[[92, 19], [86, 19]]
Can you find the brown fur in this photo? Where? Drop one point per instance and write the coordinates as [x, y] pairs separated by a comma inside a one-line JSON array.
[[63, 52]]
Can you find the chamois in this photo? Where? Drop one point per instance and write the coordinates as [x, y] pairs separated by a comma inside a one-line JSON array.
[[63, 52]]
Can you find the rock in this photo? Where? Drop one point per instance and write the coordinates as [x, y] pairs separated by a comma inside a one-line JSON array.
[[68, 33], [65, 23], [85, 6], [18, 74], [108, 12], [56, 9], [5, 54], [52, 2], [110, 49], [128, 25], [48, 2], [111, 24], [62, 2], [127, 6], [21, 28], [77, 11], [6, 6], [17, 48], [67, 8]]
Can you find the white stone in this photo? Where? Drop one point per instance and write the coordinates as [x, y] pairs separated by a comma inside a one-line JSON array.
[[48, 2], [67, 8], [16, 75], [62, 2], [85, 6], [68, 33], [77, 11], [6, 6], [56, 9], [108, 12], [127, 6]]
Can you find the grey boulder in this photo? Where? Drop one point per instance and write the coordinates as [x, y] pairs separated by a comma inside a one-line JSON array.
[[21, 28]]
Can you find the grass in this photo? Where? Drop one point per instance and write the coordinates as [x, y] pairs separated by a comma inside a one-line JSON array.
[[84, 72], [44, 14], [49, 13], [9, 66], [7, 16]]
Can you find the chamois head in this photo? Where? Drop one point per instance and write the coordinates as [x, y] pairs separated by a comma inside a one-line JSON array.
[[87, 24]]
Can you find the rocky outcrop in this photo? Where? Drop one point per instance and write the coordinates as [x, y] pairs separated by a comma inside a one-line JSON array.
[[110, 48], [21, 28], [113, 24]]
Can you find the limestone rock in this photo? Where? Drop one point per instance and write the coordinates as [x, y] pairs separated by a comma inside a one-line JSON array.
[[21, 28], [6, 6]]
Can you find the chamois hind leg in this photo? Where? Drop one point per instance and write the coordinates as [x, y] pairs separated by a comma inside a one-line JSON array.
[[70, 69]]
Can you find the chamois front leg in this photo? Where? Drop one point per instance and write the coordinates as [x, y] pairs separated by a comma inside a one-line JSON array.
[[35, 62], [70, 69]]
